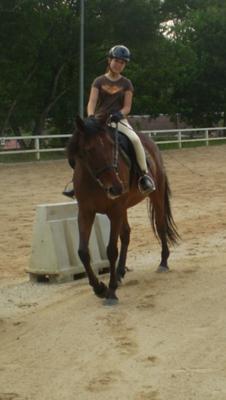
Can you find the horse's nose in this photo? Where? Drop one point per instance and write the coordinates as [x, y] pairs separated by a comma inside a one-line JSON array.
[[115, 191]]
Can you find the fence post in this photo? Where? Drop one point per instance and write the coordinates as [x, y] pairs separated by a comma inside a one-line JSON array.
[[207, 137], [179, 140], [153, 135], [37, 147]]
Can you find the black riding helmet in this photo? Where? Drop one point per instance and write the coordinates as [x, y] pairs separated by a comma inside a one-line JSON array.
[[121, 52]]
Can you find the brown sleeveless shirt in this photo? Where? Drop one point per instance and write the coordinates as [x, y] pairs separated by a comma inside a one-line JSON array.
[[111, 94]]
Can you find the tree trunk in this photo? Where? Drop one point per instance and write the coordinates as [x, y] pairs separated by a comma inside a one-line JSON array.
[[14, 102], [25, 82], [50, 102]]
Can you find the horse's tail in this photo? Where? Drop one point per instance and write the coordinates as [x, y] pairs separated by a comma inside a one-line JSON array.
[[169, 227]]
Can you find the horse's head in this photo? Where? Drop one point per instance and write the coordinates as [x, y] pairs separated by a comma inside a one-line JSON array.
[[97, 148]]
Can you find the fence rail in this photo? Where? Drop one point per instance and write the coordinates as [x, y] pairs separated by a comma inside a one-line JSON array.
[[173, 136]]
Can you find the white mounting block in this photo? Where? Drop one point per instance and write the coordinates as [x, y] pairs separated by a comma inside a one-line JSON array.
[[56, 238]]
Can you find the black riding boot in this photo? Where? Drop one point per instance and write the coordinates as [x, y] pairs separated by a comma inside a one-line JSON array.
[[146, 184]]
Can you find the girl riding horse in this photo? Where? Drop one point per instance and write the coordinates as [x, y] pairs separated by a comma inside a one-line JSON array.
[[111, 94]]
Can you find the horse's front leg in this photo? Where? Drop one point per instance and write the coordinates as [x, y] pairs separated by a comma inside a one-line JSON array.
[[112, 253], [85, 223]]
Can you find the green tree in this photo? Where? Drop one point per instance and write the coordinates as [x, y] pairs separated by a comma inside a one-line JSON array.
[[177, 68], [37, 60], [200, 63]]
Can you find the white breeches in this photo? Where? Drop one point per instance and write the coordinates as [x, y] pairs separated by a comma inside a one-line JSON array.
[[125, 127]]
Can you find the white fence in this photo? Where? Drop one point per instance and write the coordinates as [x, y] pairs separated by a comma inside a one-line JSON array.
[[169, 136]]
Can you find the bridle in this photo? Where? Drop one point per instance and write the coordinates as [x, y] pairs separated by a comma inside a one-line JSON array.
[[114, 166]]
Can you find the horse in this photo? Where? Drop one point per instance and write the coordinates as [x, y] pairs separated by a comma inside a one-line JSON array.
[[106, 182]]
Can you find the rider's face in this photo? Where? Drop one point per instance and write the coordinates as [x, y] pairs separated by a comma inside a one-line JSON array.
[[117, 65]]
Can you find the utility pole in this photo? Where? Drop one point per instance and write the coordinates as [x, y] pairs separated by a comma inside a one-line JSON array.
[[81, 73]]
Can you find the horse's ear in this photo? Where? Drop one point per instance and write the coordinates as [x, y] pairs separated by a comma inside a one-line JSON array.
[[80, 123]]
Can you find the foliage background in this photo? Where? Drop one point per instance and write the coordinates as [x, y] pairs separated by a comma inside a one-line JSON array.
[[178, 64]]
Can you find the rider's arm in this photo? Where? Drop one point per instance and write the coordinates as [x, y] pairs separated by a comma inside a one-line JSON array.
[[93, 97], [127, 103]]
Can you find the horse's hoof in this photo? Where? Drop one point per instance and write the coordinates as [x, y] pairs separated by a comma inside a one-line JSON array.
[[111, 298], [100, 290], [110, 302], [161, 269]]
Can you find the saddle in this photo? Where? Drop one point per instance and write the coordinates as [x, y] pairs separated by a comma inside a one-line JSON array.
[[127, 152]]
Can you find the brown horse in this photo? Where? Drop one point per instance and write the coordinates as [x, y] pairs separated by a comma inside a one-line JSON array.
[[106, 183]]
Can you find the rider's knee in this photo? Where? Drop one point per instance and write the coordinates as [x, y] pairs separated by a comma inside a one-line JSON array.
[[135, 140]]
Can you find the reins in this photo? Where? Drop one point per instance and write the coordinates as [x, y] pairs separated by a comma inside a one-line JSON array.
[[174, 158], [185, 166], [97, 173], [115, 162]]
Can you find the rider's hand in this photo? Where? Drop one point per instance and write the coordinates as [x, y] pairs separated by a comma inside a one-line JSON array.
[[116, 117]]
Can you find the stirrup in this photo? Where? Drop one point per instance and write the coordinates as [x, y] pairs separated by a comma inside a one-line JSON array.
[[146, 184], [69, 192]]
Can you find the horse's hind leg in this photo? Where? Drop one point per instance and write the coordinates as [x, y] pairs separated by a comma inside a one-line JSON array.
[[112, 252], [85, 222], [125, 238]]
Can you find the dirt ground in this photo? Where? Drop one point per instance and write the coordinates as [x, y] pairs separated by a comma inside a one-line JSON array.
[[166, 338]]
